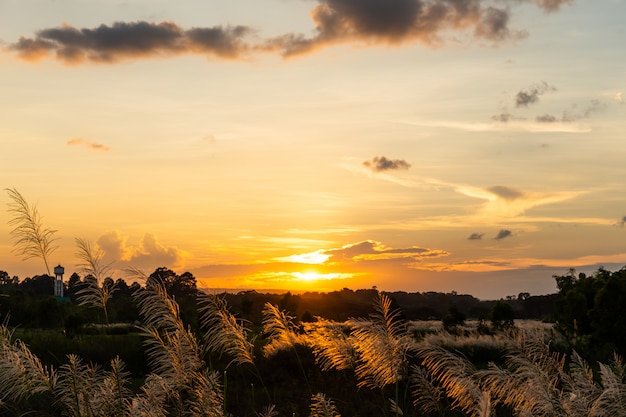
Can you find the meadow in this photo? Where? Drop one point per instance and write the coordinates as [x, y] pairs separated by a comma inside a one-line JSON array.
[[379, 365]]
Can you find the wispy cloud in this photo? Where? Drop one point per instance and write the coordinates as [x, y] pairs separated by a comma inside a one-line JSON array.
[[502, 123], [475, 236], [372, 250], [372, 22], [574, 113], [89, 144], [381, 163], [531, 95], [503, 201], [503, 234], [552, 5]]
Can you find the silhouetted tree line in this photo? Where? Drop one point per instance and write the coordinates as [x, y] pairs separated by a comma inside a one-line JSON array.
[[588, 310], [30, 302]]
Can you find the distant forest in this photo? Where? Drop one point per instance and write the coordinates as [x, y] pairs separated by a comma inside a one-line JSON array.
[[30, 302]]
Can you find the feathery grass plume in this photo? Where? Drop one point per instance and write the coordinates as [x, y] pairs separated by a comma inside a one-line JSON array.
[[136, 273], [454, 373], [223, 333], [381, 345], [280, 330], [581, 385], [322, 406], [269, 411], [331, 346], [96, 293], [75, 388], [113, 397], [612, 399], [207, 394], [395, 409], [534, 380], [21, 372], [183, 385], [427, 395], [157, 309], [150, 402], [32, 239]]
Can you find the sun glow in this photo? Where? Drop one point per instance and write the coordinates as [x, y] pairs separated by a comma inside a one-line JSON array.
[[316, 257], [310, 276]]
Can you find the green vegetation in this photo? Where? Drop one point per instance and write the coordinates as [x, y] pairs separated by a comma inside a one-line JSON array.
[[590, 312]]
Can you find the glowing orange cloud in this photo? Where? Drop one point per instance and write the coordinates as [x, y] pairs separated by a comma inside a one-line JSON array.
[[89, 144]]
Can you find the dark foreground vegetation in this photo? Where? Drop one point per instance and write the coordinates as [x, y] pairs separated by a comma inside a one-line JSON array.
[[163, 347]]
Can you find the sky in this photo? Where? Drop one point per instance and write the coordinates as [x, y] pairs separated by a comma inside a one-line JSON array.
[[311, 145]]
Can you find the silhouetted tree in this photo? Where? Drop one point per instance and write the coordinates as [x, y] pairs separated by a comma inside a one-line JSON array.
[[502, 315], [39, 284], [453, 318], [5, 278], [181, 287]]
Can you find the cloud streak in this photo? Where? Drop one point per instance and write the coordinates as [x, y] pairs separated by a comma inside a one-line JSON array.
[[360, 22], [503, 201], [573, 114], [370, 250], [89, 144]]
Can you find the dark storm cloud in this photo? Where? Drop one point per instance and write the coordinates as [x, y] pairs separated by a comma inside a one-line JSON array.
[[475, 236], [131, 40], [503, 234], [381, 163], [505, 192], [531, 95]]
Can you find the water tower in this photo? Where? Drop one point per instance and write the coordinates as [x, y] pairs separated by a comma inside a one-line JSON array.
[[58, 282]]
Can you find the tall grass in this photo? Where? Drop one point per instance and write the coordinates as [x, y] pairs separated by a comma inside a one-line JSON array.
[[382, 345], [95, 293], [378, 353], [32, 239], [223, 333]]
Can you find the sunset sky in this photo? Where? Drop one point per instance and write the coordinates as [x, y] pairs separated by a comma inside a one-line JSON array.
[[418, 145]]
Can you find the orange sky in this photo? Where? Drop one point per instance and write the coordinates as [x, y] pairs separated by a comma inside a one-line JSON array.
[[323, 145]]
